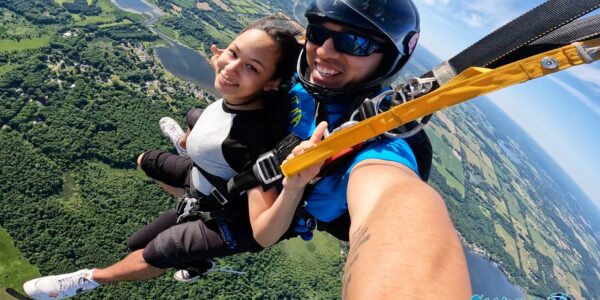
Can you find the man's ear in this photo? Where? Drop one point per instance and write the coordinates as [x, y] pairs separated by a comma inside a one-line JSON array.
[[272, 85]]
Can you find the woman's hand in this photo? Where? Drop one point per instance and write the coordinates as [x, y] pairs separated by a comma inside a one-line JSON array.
[[300, 180], [213, 59]]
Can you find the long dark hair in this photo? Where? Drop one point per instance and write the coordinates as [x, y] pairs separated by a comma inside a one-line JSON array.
[[276, 102]]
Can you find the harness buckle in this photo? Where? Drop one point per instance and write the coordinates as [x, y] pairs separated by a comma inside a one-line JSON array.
[[185, 207], [267, 168], [215, 193]]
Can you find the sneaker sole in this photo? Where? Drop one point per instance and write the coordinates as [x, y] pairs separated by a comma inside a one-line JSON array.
[[30, 288]]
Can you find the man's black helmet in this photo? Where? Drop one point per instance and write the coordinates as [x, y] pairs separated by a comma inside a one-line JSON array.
[[397, 21]]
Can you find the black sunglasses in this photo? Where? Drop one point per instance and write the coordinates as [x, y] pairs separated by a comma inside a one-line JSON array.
[[343, 42]]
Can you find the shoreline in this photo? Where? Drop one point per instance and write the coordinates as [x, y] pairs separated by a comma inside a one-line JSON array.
[[483, 253], [155, 9]]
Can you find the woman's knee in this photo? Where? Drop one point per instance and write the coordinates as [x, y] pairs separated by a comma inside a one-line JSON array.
[[139, 159]]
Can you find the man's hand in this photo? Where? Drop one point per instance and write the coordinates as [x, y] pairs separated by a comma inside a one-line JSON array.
[[301, 179]]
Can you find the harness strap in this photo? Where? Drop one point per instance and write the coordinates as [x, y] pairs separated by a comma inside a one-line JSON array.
[[266, 170], [540, 21], [471, 83], [219, 193], [580, 30]]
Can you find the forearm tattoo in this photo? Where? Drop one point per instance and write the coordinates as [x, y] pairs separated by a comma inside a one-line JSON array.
[[359, 238]]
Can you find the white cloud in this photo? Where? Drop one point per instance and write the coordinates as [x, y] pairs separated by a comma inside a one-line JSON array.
[[490, 13], [587, 73], [472, 19], [584, 99], [436, 2]]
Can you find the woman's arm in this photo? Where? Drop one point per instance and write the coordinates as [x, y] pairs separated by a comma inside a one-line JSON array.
[[270, 214]]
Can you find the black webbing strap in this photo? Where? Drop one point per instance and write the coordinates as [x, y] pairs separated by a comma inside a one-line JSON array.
[[219, 192], [266, 168], [538, 22], [579, 30]]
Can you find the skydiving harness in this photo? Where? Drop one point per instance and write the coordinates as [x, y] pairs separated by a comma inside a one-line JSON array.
[[547, 47]]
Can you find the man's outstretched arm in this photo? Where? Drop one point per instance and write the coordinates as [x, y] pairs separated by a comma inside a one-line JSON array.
[[402, 241]]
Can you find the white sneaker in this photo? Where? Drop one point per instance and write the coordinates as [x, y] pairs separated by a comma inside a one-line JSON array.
[[173, 131], [60, 286], [191, 275]]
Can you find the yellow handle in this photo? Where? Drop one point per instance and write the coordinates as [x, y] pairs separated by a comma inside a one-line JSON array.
[[469, 84]]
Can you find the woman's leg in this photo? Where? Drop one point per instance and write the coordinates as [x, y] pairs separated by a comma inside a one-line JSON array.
[[132, 267], [169, 170]]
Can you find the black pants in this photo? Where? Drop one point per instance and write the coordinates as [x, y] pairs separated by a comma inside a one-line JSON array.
[[167, 244]]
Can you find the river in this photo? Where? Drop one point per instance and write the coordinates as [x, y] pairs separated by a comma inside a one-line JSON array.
[[486, 278]]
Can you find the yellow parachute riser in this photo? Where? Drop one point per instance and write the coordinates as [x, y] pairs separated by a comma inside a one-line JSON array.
[[469, 84]]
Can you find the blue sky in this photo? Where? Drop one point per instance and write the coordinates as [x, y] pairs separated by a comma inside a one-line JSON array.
[[561, 112]]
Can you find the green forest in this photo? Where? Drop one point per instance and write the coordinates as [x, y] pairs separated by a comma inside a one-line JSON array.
[[76, 109]]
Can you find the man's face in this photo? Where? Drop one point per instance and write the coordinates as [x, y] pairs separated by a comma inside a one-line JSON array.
[[332, 69]]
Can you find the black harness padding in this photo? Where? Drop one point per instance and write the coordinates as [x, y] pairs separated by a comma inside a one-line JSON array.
[[423, 151]]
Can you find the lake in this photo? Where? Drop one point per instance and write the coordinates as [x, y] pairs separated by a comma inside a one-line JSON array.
[[181, 61], [187, 64], [486, 278]]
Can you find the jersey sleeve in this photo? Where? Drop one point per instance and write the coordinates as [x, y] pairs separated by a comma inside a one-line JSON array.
[[249, 138], [394, 150]]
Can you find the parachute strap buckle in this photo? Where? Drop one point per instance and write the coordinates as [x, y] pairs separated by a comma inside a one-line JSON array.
[[587, 53], [416, 87], [444, 73], [217, 195], [185, 207], [267, 168]]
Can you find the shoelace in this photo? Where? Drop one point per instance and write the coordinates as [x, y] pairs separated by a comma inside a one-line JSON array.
[[70, 282]]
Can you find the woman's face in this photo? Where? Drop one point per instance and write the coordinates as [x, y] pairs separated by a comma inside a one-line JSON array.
[[332, 69], [246, 68]]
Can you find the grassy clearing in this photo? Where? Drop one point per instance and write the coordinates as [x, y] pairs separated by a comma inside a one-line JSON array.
[[451, 181], [509, 243], [472, 158], [14, 268], [452, 138], [486, 212], [500, 173], [508, 163], [500, 207], [224, 38], [527, 262], [100, 19], [106, 6], [168, 31], [184, 3], [5, 69], [24, 44], [539, 241], [513, 207], [447, 158], [116, 24], [70, 196], [322, 246], [490, 176]]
